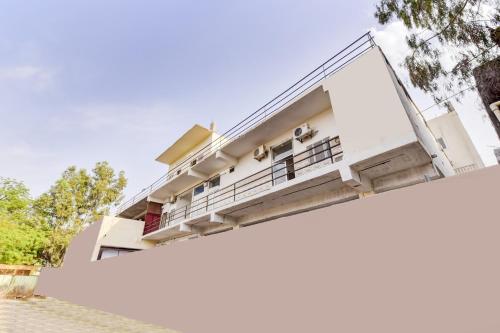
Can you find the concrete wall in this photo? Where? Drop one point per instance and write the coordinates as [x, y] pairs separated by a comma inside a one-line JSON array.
[[370, 116], [421, 128], [419, 259], [459, 147], [110, 232], [325, 125]]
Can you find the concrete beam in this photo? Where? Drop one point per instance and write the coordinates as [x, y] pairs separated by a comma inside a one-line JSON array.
[[185, 228], [196, 174], [226, 157], [217, 218], [153, 199], [354, 180]]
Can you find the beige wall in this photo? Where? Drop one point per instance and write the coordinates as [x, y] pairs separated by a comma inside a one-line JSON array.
[[459, 147], [108, 231], [370, 116], [422, 130], [325, 125], [419, 259], [121, 233]]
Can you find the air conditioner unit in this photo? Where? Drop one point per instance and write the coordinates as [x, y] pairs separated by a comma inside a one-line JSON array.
[[260, 153], [303, 132]]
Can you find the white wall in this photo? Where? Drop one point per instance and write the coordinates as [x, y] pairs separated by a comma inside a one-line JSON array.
[[422, 130], [121, 233], [371, 119], [459, 147], [324, 123]]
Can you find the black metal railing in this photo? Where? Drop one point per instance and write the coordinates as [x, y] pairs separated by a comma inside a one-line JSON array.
[[322, 153], [329, 67]]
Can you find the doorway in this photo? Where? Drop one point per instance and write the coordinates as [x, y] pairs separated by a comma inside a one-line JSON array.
[[283, 167]]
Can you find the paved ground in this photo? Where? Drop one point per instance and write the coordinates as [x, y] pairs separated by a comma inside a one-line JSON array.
[[51, 315]]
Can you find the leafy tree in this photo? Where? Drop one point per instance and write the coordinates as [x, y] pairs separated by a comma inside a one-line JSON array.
[[20, 241], [465, 30], [73, 202], [14, 199]]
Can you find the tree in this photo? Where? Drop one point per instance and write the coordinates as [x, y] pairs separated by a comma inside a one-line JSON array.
[[14, 199], [73, 202], [20, 241], [465, 30]]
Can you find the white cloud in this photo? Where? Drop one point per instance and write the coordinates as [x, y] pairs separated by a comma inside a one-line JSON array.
[[392, 39], [39, 78]]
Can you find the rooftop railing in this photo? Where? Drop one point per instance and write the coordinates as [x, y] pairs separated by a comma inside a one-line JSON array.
[[338, 61]]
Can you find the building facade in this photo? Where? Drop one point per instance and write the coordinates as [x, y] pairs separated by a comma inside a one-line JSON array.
[[455, 142], [347, 130]]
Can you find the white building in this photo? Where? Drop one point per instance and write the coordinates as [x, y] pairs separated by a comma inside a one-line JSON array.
[[347, 130]]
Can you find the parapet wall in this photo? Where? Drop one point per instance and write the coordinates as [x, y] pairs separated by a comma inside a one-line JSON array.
[[418, 259]]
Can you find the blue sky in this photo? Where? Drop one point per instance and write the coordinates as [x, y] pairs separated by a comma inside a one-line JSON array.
[[85, 81]]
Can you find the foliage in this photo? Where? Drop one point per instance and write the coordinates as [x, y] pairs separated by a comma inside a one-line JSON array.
[[20, 242], [39, 231], [461, 29], [73, 202], [14, 199]]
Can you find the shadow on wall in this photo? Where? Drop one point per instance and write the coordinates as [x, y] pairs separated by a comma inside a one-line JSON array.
[[418, 259]]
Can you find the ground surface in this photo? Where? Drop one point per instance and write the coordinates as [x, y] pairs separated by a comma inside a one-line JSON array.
[[51, 315]]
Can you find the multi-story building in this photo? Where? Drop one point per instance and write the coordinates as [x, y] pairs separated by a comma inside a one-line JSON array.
[[347, 130]]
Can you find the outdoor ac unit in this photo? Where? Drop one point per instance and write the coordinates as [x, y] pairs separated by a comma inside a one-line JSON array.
[[303, 132], [260, 153]]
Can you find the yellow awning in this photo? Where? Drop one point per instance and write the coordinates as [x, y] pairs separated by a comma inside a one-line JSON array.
[[186, 143]]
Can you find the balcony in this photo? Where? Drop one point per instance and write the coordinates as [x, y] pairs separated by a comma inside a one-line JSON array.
[[283, 110], [318, 162]]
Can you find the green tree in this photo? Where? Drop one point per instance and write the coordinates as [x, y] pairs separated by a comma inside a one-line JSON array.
[[20, 241], [73, 202], [465, 30], [15, 199]]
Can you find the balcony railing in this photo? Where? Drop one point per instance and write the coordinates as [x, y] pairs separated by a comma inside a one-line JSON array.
[[322, 153], [350, 53]]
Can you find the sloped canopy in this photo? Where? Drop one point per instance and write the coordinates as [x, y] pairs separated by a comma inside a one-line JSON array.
[[187, 142]]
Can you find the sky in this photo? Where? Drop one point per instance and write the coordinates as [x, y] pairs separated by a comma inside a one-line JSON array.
[[119, 80]]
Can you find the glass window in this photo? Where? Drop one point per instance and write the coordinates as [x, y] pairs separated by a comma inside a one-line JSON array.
[[199, 189], [441, 142], [110, 252], [214, 182], [319, 151], [282, 151]]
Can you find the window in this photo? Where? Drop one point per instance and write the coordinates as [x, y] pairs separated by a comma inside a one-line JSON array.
[[283, 166], [441, 142], [199, 189], [319, 151], [214, 182], [109, 252], [282, 151]]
